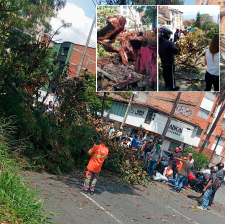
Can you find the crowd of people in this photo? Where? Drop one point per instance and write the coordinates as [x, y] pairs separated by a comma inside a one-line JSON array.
[[176, 172], [168, 50]]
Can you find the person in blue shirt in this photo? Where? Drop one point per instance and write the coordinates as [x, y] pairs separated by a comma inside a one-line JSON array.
[[134, 142]]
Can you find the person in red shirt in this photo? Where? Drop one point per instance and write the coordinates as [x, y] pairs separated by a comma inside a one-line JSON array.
[[98, 155]]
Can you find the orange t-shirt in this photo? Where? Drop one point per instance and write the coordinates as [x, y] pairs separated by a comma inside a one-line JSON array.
[[179, 166], [98, 155]]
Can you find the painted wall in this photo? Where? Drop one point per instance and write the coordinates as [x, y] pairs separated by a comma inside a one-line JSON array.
[[179, 131]]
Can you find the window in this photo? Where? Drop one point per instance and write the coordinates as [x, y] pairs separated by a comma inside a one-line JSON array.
[[223, 122], [173, 145], [199, 132], [203, 113], [149, 116], [210, 96], [118, 109], [221, 141], [216, 157], [206, 145]]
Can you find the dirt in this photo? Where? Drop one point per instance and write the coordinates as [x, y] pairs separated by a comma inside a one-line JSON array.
[[132, 81]]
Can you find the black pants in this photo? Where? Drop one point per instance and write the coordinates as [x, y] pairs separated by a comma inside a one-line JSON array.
[[168, 75], [211, 80], [174, 168]]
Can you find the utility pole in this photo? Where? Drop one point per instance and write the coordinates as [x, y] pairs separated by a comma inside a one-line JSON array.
[[127, 111], [103, 105], [170, 116], [215, 146], [222, 156], [86, 46]]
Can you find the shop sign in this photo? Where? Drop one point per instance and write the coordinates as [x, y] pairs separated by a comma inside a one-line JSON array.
[[175, 130], [138, 112]]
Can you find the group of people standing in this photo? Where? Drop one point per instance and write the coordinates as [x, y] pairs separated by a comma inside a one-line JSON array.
[[180, 33], [167, 51]]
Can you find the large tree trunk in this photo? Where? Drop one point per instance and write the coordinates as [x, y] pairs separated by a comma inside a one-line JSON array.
[[212, 128]]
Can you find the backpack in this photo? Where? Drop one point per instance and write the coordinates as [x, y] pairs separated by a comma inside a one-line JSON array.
[[216, 184]]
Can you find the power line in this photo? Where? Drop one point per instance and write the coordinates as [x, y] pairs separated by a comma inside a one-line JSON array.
[[91, 43], [94, 3]]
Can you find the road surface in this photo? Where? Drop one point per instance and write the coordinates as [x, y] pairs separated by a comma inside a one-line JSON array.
[[115, 202]]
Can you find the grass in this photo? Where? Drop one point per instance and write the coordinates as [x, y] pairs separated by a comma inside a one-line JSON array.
[[17, 201], [18, 204]]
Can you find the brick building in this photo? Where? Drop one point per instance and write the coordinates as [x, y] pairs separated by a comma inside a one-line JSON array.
[[72, 53], [222, 10], [193, 118]]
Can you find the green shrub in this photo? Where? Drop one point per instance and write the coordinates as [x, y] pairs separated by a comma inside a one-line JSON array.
[[201, 160]]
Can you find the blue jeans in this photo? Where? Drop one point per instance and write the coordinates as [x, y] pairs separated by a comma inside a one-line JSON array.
[[179, 181], [151, 167], [207, 196], [146, 156], [185, 181]]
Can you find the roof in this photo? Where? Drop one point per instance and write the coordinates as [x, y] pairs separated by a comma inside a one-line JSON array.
[[161, 17]]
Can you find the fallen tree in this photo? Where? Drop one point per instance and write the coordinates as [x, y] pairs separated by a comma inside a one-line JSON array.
[[141, 49]]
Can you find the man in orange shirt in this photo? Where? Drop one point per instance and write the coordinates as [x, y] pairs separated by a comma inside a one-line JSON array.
[[98, 155]]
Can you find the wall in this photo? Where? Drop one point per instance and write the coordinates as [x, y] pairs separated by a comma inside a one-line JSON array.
[[136, 117], [75, 59]]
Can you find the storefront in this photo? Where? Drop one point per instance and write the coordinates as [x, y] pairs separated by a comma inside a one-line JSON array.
[[180, 133]]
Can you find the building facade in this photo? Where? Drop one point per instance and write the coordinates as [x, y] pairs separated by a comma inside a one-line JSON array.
[[170, 18], [192, 120], [71, 53], [132, 16]]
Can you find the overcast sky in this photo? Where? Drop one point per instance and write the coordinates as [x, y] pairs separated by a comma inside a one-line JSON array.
[[80, 14], [190, 12]]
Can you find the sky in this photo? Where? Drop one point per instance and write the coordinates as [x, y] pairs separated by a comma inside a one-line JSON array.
[[190, 12], [189, 2], [80, 14]]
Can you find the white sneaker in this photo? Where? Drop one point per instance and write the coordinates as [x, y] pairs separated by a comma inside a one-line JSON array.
[[201, 208]]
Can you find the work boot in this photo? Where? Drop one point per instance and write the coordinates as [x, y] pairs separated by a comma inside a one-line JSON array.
[[176, 88]]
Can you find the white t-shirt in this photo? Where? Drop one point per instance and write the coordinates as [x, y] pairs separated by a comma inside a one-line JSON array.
[[213, 66]]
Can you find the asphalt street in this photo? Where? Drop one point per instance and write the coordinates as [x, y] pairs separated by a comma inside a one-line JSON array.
[[115, 202]]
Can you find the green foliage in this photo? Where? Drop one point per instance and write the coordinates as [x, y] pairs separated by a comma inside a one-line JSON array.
[[150, 15], [201, 159], [125, 162], [198, 20], [144, 2], [18, 203], [192, 49], [205, 20], [103, 13]]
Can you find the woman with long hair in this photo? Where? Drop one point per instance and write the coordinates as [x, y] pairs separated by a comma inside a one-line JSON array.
[[212, 62]]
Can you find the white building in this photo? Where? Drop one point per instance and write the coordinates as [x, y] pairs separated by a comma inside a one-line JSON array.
[[152, 123], [170, 17], [132, 16]]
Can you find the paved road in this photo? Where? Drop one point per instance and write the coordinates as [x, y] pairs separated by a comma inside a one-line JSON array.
[[220, 195], [116, 203]]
